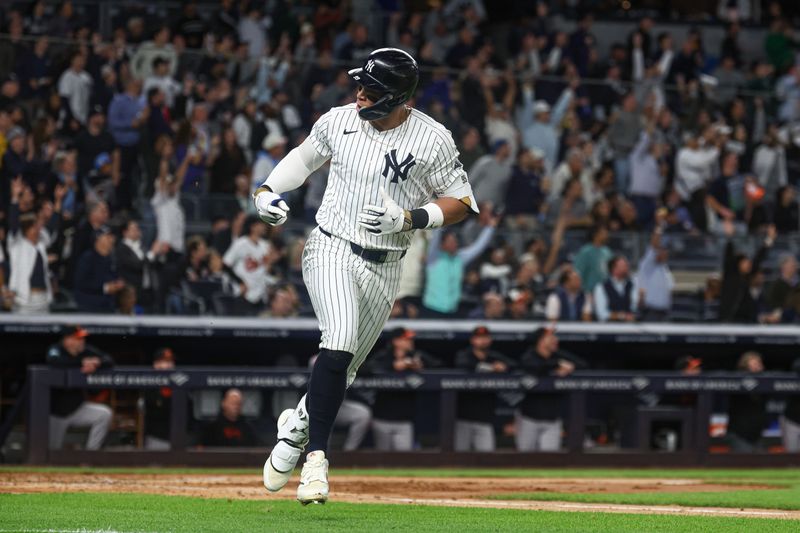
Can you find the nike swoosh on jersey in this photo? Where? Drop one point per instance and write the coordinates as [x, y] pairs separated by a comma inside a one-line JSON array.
[[349, 132]]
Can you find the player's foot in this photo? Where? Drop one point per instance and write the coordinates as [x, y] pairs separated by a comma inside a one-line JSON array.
[[313, 486], [292, 440]]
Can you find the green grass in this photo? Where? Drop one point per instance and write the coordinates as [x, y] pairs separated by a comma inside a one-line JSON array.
[[162, 514]]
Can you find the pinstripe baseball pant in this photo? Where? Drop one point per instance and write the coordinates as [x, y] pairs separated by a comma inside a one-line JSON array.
[[352, 297]]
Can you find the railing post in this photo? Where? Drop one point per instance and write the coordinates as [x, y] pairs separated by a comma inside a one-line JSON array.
[[576, 427], [177, 431], [39, 414], [447, 419]]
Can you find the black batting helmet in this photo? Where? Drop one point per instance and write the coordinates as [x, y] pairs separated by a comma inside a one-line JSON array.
[[390, 72]]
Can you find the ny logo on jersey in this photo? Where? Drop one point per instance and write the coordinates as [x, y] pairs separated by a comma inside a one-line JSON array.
[[370, 65], [400, 169]]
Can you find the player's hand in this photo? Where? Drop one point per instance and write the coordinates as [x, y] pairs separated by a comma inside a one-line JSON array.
[[383, 220], [271, 208]]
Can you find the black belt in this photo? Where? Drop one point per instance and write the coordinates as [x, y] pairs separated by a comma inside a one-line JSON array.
[[375, 256]]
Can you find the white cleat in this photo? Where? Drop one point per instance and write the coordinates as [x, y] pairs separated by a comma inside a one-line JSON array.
[[313, 486], [292, 440]]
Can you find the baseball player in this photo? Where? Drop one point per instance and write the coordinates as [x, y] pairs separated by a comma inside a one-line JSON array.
[[393, 170]]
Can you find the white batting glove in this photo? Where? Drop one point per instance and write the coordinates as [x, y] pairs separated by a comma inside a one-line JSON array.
[[383, 220], [271, 208]]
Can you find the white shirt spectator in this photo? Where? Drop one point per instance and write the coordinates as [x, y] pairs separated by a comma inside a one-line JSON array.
[[769, 164], [76, 87], [168, 86], [693, 169], [657, 281], [246, 258], [170, 219], [646, 178]]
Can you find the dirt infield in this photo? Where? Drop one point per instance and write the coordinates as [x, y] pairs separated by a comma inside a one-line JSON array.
[[453, 492]]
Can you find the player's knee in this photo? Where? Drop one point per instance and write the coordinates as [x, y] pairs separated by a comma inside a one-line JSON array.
[[334, 361]]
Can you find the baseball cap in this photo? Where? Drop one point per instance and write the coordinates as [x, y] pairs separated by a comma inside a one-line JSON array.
[[164, 354], [480, 331], [537, 153], [499, 143], [688, 363], [272, 140], [75, 331], [15, 132], [102, 230], [96, 110], [101, 160], [401, 333], [541, 106]]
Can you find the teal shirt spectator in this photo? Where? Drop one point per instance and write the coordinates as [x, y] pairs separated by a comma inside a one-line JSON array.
[[591, 262], [445, 271]]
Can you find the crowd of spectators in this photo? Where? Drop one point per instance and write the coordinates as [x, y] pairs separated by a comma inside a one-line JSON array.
[[129, 157]]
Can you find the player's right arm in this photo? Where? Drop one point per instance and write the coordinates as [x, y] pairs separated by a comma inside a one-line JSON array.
[[291, 173]]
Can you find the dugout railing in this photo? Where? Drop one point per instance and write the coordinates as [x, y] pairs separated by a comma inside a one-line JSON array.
[[576, 388]]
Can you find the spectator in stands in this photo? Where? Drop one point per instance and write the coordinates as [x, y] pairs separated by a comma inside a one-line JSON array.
[[273, 149], [655, 278], [790, 421], [520, 304], [569, 303], [226, 161], [252, 258], [355, 414], [525, 198], [229, 429], [158, 405], [96, 279], [786, 211], [75, 88], [769, 165], [490, 174], [493, 307], [540, 128], [591, 261], [394, 412], [143, 62], [127, 113], [170, 218], [29, 284], [648, 175], [783, 296], [747, 413], [283, 303], [623, 133], [94, 140], [736, 302], [470, 149], [693, 171], [539, 417], [476, 410], [68, 407], [617, 298], [446, 265], [137, 266]]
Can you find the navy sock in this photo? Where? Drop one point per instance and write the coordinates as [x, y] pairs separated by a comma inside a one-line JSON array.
[[326, 390]]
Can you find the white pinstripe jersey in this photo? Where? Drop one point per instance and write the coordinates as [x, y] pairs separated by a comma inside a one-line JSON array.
[[414, 162]]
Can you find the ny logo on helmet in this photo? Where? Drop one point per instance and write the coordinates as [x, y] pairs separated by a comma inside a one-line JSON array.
[[370, 65], [400, 169]]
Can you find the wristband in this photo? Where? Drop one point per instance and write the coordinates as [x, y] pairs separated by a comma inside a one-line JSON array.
[[428, 216]]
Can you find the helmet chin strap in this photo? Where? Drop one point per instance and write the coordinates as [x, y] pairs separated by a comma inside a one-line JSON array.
[[377, 110]]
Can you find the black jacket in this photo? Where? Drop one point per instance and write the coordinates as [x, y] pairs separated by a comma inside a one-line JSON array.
[[130, 267], [396, 405], [735, 302], [479, 406], [92, 273], [545, 406], [223, 432], [65, 402]]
